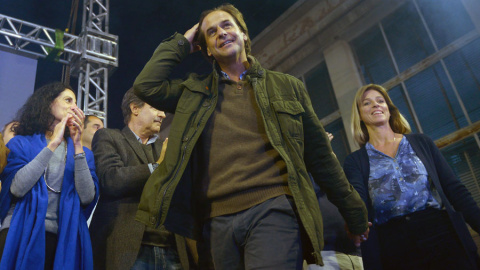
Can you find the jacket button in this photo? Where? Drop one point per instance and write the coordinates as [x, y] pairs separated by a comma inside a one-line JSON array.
[[152, 220], [185, 138], [181, 42], [206, 103]]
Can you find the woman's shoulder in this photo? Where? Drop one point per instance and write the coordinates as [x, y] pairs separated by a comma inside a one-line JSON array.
[[357, 153], [417, 135], [418, 138], [356, 156]]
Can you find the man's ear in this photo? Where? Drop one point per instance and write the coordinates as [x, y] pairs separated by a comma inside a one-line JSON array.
[[134, 109]]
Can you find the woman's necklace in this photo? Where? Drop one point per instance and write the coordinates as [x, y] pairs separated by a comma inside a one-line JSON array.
[[46, 173]]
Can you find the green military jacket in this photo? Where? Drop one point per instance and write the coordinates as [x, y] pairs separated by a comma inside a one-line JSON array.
[[292, 127]]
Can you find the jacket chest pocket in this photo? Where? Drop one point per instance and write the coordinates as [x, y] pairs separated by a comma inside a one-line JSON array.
[[289, 115], [190, 101]]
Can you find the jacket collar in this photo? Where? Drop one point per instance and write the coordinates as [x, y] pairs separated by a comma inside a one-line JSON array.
[[255, 70], [203, 84]]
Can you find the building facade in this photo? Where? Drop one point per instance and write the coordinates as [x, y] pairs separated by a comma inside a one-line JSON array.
[[425, 52]]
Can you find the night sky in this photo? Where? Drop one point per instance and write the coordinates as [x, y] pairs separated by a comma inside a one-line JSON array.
[[141, 25]]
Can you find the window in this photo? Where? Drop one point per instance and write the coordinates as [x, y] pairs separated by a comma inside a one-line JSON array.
[[320, 89], [340, 142], [464, 158]]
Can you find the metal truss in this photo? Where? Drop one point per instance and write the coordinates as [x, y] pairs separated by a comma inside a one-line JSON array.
[[98, 59], [95, 15], [93, 55], [92, 85], [29, 39]]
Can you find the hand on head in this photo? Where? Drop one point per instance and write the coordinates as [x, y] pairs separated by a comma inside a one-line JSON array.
[[190, 36]]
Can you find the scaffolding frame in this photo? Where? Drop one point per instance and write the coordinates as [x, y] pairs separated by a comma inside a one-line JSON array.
[[92, 55]]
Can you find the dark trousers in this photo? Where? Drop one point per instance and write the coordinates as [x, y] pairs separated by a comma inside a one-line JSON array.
[[266, 236], [51, 240], [421, 240]]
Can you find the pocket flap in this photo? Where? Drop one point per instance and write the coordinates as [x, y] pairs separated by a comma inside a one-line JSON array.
[[287, 106]]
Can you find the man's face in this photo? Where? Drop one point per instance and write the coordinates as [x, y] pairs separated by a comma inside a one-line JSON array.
[[94, 124], [150, 119], [223, 37]]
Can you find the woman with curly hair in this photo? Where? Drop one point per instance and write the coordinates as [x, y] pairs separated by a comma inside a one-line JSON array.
[[411, 193], [49, 186]]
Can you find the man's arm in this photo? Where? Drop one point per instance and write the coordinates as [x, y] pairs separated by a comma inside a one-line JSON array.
[[322, 163], [116, 177], [153, 84]]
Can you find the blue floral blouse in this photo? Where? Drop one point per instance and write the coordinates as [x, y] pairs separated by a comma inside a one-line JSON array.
[[398, 186]]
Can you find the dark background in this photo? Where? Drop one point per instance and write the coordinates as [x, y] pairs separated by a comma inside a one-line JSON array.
[[141, 25]]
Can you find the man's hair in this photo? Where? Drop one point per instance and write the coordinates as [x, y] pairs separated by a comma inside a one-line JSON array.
[[397, 121], [128, 99], [87, 119], [36, 116], [237, 16]]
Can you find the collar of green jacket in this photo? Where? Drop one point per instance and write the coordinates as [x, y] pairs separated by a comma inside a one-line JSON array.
[[255, 70], [205, 81]]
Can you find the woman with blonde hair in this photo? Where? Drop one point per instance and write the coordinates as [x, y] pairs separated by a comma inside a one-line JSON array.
[[409, 190]]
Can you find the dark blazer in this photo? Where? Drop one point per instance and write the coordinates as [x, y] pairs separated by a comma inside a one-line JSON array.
[[122, 169], [357, 170]]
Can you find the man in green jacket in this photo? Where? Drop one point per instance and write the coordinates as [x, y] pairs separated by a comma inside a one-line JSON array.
[[241, 144]]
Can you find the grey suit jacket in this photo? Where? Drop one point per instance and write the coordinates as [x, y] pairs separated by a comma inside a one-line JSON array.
[[122, 169]]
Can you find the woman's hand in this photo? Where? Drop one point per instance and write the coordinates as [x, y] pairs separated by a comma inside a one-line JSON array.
[[330, 136], [57, 135], [75, 125]]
